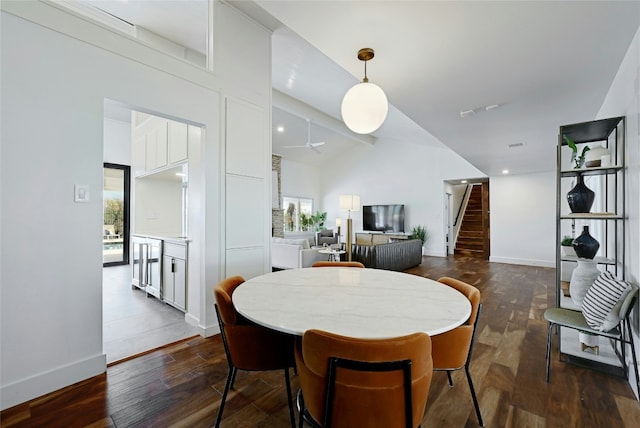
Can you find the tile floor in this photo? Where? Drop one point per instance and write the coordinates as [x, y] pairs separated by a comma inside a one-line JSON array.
[[134, 323]]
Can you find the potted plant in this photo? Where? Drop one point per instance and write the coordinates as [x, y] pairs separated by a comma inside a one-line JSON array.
[[578, 160], [317, 220], [421, 233], [567, 246]]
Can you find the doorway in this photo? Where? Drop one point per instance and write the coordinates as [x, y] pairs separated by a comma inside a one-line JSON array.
[[115, 199]]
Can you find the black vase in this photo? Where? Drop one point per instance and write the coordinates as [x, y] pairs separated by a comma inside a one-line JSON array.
[[580, 198], [586, 246]]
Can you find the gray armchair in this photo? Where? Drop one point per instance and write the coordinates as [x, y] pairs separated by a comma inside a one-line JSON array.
[[326, 236]]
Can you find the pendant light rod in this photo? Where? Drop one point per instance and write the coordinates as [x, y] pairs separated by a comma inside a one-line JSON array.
[[365, 54]]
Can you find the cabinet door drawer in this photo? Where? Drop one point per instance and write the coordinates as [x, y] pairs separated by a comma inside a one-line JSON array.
[[175, 250]]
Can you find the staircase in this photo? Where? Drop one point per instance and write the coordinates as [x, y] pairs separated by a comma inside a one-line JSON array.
[[474, 230]]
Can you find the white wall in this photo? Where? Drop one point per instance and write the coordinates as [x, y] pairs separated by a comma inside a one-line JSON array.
[[623, 99], [523, 210], [52, 138], [301, 181], [392, 172], [117, 142]]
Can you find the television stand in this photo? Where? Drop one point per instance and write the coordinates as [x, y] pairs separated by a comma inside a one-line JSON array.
[[375, 238]]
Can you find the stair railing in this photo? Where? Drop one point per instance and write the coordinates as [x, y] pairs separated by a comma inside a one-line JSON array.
[[461, 209]]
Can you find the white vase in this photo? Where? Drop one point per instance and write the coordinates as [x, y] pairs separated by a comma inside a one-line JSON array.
[[583, 277], [593, 158]]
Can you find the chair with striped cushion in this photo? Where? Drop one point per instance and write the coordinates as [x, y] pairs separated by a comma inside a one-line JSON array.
[[576, 320]]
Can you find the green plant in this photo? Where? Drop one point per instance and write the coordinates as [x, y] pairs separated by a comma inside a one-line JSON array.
[[305, 221], [420, 232], [318, 219], [567, 241], [578, 160]]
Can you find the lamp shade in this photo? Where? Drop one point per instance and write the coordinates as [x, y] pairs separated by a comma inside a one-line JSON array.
[[338, 222], [364, 108], [349, 203]]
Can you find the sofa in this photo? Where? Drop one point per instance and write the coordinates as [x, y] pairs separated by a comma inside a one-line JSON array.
[[397, 255], [293, 253]]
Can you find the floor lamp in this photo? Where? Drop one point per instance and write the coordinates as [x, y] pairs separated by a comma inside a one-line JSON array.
[[349, 203]]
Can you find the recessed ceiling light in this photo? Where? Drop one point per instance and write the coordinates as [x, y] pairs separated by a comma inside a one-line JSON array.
[[280, 128], [463, 181], [505, 171]]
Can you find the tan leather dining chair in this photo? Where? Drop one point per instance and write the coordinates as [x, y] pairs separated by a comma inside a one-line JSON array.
[[337, 264], [452, 349], [349, 382], [249, 346]]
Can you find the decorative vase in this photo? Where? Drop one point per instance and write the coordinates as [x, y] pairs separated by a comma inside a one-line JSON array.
[[593, 158], [589, 342], [583, 277], [580, 198], [586, 246]]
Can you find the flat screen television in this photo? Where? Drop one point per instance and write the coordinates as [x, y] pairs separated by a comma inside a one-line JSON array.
[[383, 218]]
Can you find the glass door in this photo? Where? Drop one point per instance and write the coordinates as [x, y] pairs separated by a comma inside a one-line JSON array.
[[115, 197]]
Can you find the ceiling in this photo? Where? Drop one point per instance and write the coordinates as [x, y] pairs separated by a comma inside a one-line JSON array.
[[542, 63]]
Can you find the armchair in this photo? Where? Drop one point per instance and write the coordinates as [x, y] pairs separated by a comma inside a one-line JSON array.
[[326, 236]]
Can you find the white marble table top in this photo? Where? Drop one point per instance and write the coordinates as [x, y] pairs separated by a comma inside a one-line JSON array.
[[355, 302]]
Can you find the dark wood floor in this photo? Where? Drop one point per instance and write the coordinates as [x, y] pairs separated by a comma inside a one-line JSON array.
[[181, 385]]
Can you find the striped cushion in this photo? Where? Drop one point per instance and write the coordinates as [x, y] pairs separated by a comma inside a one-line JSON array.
[[601, 299]]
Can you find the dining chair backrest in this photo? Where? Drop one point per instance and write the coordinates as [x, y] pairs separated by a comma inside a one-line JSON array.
[[364, 398], [337, 264], [452, 349], [469, 291], [249, 346], [223, 292]]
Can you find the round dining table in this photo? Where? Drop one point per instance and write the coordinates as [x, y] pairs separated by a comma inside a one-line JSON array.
[[354, 302]]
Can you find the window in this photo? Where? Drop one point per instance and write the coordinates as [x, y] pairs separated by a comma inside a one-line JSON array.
[[115, 231], [297, 214]]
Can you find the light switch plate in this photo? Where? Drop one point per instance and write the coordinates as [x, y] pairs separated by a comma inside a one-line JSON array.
[[81, 192]]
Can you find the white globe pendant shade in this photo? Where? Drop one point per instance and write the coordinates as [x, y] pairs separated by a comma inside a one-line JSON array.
[[364, 108]]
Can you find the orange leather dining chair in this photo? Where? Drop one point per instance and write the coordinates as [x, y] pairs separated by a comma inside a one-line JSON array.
[[365, 383], [452, 349], [249, 346], [337, 264]]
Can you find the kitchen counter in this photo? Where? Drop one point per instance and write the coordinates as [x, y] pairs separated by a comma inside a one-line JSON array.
[[174, 239]]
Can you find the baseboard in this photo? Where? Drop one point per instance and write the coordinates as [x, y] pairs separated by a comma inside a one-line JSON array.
[[53, 380], [210, 331], [525, 262], [432, 253], [204, 331]]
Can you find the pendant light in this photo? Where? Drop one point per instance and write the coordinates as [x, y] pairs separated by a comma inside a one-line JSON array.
[[364, 106]]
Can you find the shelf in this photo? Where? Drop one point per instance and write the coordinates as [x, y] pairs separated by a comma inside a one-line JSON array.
[[609, 223], [588, 132], [591, 216], [599, 260], [599, 170]]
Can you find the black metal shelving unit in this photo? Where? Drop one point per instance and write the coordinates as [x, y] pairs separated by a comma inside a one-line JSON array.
[[609, 220]]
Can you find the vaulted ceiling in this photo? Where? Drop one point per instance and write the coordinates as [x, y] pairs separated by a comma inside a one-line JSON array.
[[479, 76]]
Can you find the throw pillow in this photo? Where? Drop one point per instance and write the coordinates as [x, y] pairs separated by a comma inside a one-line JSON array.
[[600, 302]]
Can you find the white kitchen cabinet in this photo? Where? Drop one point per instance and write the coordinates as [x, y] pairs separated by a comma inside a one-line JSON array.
[[174, 277], [156, 146], [177, 142]]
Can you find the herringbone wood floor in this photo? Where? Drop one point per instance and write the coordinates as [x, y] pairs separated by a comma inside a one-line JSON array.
[[181, 385]]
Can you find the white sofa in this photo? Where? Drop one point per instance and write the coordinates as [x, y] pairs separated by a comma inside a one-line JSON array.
[[293, 253]]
